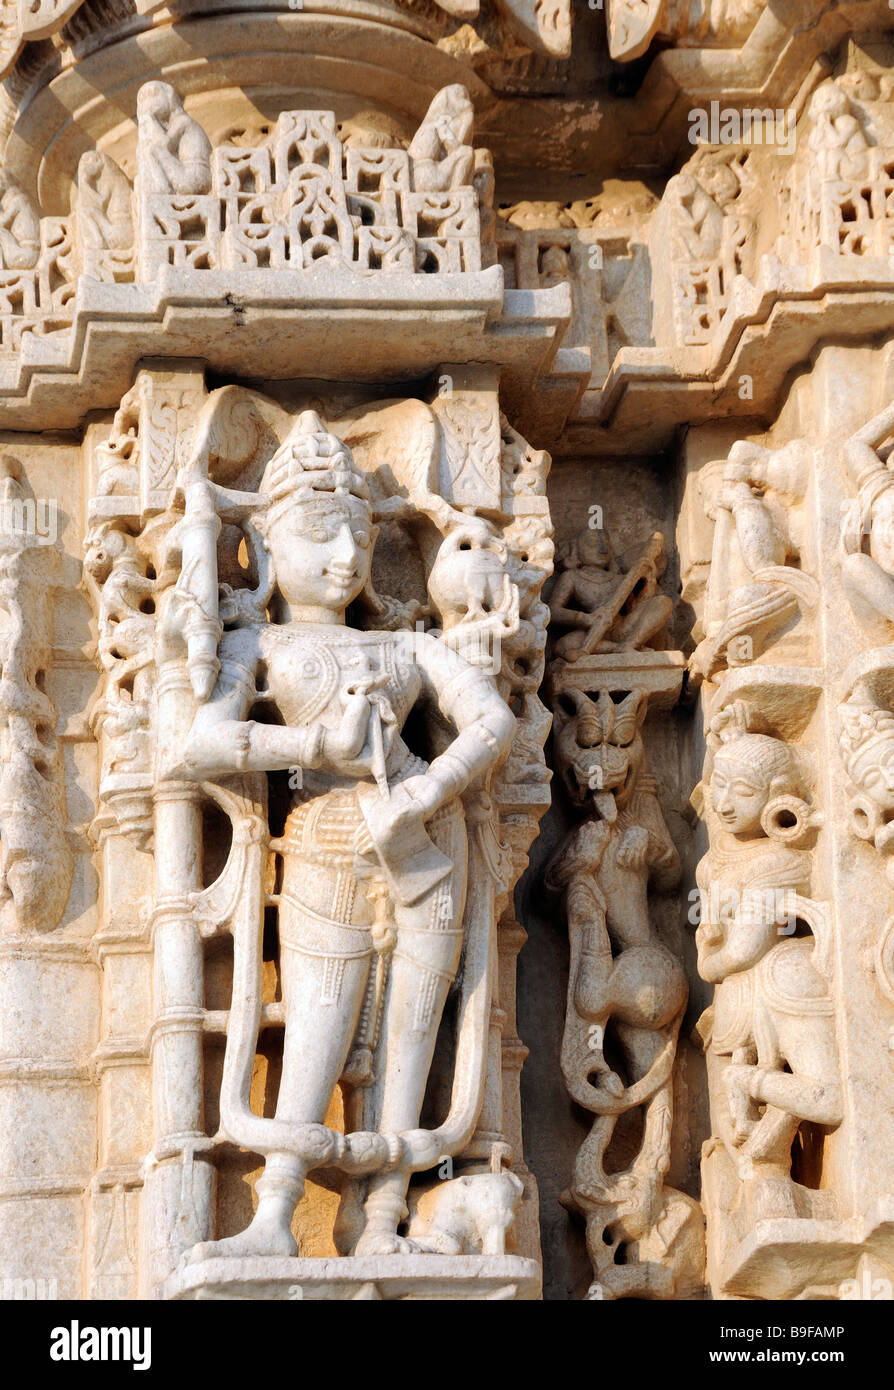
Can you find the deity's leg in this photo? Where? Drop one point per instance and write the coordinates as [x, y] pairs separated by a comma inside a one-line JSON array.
[[325, 954], [425, 961], [323, 996]]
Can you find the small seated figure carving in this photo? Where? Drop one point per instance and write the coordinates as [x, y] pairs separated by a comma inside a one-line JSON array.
[[608, 607], [770, 1033], [175, 152], [441, 153], [712, 214], [19, 227], [555, 267], [105, 220], [754, 589], [466, 1216]]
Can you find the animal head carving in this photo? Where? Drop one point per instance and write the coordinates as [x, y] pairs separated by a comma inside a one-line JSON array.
[[598, 745]]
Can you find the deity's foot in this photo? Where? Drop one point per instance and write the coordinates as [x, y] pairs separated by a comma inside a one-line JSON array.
[[260, 1238], [385, 1243]]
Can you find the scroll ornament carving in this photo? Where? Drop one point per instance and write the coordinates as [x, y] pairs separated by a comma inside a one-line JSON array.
[[763, 942], [393, 866]]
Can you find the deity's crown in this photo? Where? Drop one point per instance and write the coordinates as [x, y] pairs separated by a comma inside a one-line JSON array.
[[766, 757], [863, 728], [311, 460]]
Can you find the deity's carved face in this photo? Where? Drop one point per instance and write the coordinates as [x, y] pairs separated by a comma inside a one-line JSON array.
[[321, 549], [738, 794], [593, 548], [874, 773]]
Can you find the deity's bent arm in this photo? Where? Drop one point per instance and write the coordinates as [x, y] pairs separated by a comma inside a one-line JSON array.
[[469, 698], [222, 741]]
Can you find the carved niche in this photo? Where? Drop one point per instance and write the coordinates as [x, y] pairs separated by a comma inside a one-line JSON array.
[[300, 627]]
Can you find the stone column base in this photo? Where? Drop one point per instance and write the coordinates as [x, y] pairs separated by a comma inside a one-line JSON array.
[[371, 1277]]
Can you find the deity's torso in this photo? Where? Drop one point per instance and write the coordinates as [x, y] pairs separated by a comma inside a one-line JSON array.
[[312, 667]]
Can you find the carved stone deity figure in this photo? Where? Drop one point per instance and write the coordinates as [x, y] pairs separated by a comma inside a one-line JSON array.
[[627, 989], [754, 590], [375, 847], [866, 741], [770, 1032], [177, 152], [609, 604], [19, 227], [36, 859]]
